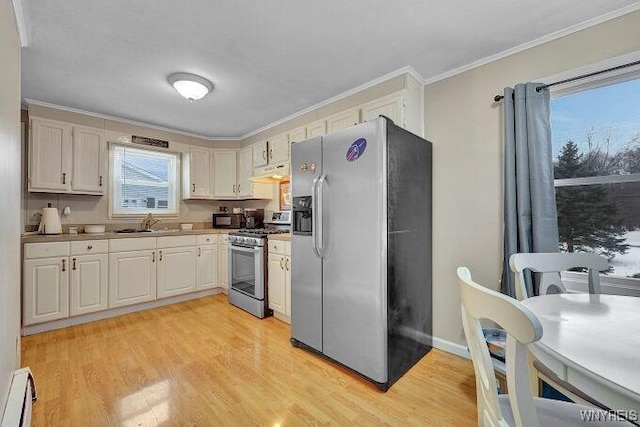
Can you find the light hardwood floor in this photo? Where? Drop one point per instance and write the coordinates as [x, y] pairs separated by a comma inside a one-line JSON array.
[[206, 363]]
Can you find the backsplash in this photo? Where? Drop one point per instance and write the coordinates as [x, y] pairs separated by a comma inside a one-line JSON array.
[[86, 210]]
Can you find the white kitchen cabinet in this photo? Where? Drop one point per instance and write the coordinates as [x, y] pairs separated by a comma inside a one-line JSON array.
[[389, 106], [176, 271], [196, 174], [207, 263], [279, 271], [246, 188], [276, 282], [223, 262], [317, 128], [403, 107], [273, 151], [298, 134], [132, 277], [224, 174], [89, 283], [260, 154], [343, 120], [89, 160], [49, 156], [279, 148], [287, 277], [64, 158], [45, 290]]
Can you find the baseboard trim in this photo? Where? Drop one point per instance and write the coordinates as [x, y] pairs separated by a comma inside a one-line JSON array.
[[451, 347], [114, 312]]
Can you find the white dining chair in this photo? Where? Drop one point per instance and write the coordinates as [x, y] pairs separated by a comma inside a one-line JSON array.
[[551, 265], [519, 407]]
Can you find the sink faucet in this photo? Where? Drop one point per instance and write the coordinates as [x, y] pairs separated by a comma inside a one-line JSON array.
[[148, 222]]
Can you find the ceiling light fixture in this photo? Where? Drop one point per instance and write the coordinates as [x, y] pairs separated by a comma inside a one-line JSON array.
[[190, 86]]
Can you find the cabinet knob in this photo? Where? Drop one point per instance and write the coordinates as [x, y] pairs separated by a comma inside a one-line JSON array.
[[64, 178], [193, 188], [153, 256], [281, 263], [64, 265], [89, 247], [100, 185], [160, 256], [74, 265], [287, 264], [200, 251]]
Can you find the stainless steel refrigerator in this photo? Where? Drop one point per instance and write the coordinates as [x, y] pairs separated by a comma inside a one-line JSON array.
[[361, 248]]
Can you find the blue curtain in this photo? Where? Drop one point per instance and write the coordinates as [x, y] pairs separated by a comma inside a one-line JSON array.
[[530, 216]]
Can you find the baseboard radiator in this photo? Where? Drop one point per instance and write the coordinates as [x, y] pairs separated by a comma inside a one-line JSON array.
[[22, 394]]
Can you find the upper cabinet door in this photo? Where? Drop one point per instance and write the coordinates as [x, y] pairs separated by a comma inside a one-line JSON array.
[[198, 176], [224, 174], [317, 128], [343, 120], [390, 106], [279, 148], [245, 171], [297, 135], [49, 156], [89, 160], [260, 154]]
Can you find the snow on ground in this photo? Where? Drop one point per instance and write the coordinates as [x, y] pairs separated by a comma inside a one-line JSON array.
[[628, 264]]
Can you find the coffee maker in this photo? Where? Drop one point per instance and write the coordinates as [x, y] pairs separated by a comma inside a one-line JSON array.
[[254, 218]]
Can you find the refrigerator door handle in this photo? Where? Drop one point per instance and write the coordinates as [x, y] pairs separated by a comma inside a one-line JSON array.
[[319, 190], [314, 215]]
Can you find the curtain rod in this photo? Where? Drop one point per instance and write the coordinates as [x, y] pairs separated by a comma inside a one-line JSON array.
[[497, 98]]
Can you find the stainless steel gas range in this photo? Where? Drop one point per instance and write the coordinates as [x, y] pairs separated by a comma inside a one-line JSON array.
[[248, 264]]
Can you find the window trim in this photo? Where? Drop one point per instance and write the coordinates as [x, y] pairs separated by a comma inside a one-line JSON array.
[[111, 197], [577, 282]]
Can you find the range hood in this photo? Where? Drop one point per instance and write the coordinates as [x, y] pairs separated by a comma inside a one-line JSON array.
[[272, 173]]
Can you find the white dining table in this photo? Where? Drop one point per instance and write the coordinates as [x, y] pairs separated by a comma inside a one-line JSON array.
[[593, 343]]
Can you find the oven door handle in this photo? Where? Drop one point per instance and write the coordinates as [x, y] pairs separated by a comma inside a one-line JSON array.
[[314, 215], [243, 249]]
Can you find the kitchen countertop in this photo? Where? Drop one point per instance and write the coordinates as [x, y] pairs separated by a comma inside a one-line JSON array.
[[46, 238], [284, 237]]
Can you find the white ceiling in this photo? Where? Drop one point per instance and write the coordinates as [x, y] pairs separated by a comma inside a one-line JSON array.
[[267, 59]]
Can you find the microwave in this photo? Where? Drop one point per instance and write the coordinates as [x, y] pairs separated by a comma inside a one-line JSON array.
[[228, 220]]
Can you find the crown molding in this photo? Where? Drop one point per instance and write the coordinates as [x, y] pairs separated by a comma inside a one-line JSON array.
[[123, 120], [404, 70], [537, 42], [20, 22]]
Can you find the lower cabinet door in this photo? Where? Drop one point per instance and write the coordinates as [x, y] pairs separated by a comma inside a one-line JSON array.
[[88, 283], [207, 276], [176, 271], [132, 277], [287, 281], [276, 283], [46, 290]]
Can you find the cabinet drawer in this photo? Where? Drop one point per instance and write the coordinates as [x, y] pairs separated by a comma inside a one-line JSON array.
[[207, 239], [223, 238], [89, 247], [139, 244], [276, 247], [175, 241], [46, 250]]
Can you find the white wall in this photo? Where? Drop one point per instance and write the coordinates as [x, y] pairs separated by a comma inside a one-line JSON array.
[[9, 197], [465, 127]]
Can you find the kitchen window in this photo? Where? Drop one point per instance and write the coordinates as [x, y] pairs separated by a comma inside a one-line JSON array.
[[596, 154], [143, 181]]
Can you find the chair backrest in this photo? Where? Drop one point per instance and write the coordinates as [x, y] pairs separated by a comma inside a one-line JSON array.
[[522, 327], [550, 265]]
